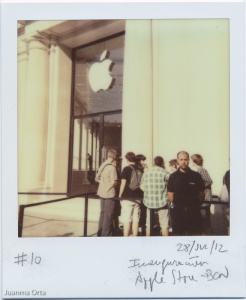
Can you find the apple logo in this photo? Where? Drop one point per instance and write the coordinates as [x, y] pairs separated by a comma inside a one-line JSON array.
[[100, 77]]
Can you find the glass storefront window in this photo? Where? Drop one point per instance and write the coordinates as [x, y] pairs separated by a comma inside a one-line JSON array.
[[86, 142], [97, 116], [112, 133], [93, 137], [86, 101]]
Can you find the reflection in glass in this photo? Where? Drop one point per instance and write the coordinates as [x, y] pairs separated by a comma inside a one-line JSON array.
[[85, 153], [112, 133]]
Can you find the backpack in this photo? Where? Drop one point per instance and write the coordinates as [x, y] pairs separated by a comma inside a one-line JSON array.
[[135, 179]]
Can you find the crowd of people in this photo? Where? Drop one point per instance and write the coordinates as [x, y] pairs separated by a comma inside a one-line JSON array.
[[176, 196]]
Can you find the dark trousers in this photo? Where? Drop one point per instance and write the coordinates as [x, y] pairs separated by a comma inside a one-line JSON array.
[[186, 221], [106, 217]]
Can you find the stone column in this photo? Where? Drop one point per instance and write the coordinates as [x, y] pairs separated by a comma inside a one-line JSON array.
[[21, 102], [137, 120], [52, 114], [32, 173]]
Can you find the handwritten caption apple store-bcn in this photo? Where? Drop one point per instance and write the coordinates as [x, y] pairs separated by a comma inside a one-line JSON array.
[[192, 268]]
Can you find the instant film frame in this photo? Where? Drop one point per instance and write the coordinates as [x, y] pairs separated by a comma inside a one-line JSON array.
[[154, 267]]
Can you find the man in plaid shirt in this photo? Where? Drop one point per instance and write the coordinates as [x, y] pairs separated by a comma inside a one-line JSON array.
[[154, 185]]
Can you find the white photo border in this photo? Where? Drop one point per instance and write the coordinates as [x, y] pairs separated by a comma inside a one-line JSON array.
[[74, 268]]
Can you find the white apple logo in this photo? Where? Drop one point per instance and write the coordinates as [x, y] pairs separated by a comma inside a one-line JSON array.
[[100, 73]]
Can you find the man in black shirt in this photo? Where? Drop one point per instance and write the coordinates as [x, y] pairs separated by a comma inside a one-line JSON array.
[[130, 208], [186, 193]]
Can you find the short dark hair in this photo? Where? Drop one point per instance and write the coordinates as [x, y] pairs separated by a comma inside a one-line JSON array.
[[130, 156], [197, 158], [159, 161], [184, 152], [173, 162], [140, 157]]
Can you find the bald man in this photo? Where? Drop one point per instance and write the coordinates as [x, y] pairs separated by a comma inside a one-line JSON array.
[[186, 193]]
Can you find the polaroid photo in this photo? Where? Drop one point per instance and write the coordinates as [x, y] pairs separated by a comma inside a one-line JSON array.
[[121, 124]]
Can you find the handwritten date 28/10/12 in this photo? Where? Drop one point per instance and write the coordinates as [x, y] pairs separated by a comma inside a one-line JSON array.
[[196, 247]]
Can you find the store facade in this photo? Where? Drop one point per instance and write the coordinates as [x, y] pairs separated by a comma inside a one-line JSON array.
[[61, 121], [170, 81]]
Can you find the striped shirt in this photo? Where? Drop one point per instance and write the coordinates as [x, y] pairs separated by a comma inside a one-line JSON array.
[[154, 182]]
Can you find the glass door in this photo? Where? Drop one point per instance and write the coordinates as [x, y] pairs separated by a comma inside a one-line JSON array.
[[112, 129]]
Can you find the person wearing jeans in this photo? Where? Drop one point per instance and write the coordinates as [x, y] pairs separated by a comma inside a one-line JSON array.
[[107, 178]]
